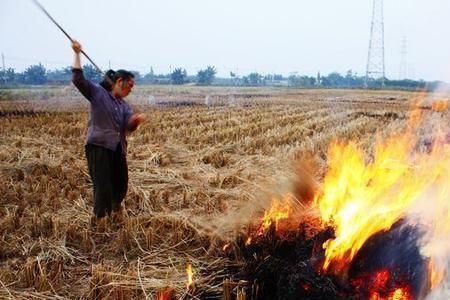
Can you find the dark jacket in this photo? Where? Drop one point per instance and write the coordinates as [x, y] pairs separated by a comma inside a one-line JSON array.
[[108, 116]]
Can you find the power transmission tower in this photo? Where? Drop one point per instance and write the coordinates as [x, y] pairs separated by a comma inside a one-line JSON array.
[[402, 74], [375, 58]]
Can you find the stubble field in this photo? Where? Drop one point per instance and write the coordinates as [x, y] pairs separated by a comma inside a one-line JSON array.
[[198, 174]]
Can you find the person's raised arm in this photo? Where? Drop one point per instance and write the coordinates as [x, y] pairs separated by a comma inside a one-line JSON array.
[[76, 52], [83, 85]]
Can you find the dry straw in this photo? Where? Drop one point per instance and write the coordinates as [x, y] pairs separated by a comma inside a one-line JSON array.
[[198, 176]]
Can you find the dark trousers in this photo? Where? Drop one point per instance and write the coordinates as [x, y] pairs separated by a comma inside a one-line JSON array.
[[109, 174]]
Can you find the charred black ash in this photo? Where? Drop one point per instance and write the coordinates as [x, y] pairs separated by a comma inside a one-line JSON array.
[[283, 265], [288, 265], [395, 251]]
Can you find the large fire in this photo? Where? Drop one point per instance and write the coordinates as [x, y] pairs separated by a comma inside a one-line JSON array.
[[404, 181], [361, 197]]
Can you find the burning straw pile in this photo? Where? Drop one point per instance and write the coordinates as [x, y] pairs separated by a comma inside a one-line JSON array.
[[381, 230]]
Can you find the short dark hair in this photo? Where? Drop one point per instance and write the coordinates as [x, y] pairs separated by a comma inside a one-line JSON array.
[[112, 76]]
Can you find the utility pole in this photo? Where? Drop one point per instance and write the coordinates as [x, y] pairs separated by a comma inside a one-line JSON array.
[[375, 58], [4, 69], [402, 74]]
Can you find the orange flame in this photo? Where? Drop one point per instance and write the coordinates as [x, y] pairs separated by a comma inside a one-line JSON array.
[[401, 294], [379, 290], [190, 275], [167, 294], [360, 198], [278, 211], [437, 275], [398, 294]]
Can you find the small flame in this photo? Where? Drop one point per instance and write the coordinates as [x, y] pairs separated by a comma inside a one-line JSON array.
[[280, 210], [380, 288], [167, 294], [248, 241], [437, 274], [306, 287], [381, 278], [401, 294], [398, 294], [190, 275]]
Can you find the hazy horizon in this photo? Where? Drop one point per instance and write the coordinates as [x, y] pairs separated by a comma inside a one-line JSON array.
[[253, 36]]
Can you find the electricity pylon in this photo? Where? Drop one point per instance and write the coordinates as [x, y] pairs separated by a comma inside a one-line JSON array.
[[375, 58]]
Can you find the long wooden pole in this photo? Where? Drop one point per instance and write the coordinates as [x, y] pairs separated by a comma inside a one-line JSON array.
[[65, 33]]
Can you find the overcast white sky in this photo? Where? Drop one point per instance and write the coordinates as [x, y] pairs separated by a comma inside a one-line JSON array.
[[266, 36]]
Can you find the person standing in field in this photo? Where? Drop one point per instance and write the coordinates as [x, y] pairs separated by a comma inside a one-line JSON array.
[[111, 119]]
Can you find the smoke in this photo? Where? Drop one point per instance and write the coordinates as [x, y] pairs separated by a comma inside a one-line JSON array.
[[440, 293], [432, 208], [442, 89], [296, 188], [432, 212]]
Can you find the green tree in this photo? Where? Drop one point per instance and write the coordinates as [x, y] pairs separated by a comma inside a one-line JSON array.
[[91, 73], [60, 75], [255, 79], [277, 77], [206, 76], [8, 76], [268, 77], [301, 81], [178, 76], [35, 74], [137, 75], [352, 80], [150, 76], [333, 80]]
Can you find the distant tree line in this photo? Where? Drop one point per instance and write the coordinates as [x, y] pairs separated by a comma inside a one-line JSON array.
[[38, 75]]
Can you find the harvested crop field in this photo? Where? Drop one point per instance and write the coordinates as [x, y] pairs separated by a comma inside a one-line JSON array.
[[199, 174]]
